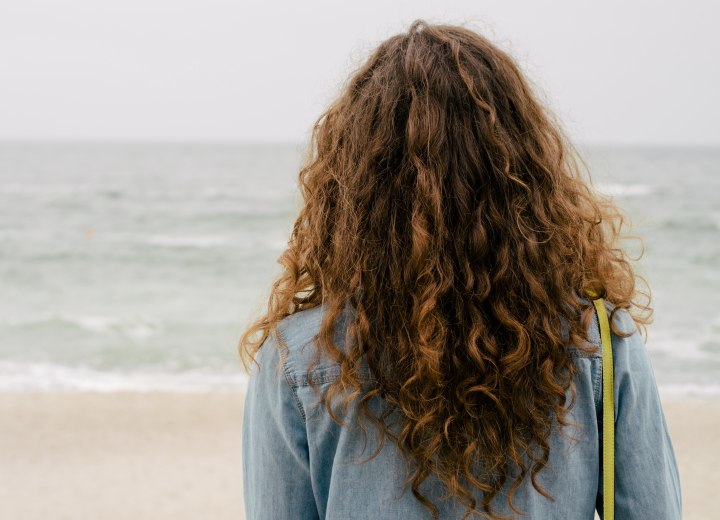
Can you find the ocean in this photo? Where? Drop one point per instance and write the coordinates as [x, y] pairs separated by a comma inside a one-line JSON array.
[[137, 266]]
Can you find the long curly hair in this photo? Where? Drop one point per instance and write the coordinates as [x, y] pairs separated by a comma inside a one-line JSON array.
[[445, 205]]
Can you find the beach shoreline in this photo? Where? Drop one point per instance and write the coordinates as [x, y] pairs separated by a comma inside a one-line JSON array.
[[159, 455]]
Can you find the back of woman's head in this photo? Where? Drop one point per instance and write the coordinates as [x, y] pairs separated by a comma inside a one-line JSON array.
[[445, 206]]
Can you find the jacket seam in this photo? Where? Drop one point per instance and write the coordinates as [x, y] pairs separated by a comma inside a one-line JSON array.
[[575, 354], [288, 377]]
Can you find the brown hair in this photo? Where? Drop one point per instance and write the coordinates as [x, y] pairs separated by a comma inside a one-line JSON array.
[[444, 203]]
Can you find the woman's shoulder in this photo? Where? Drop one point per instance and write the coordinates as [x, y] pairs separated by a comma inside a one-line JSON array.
[[297, 335], [621, 320]]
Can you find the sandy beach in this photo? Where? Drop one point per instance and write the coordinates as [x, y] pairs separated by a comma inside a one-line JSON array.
[[172, 455]]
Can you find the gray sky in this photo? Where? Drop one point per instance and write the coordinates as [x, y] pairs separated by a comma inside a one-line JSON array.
[[636, 72]]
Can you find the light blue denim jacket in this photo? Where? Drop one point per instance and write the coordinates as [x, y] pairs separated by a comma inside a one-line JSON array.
[[299, 464]]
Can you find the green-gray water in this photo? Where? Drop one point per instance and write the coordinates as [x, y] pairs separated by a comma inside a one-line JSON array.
[[137, 265]]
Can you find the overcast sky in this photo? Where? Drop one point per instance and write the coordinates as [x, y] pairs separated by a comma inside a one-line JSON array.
[[630, 72]]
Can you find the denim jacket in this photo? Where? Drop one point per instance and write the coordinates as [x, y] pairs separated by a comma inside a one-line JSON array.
[[299, 464]]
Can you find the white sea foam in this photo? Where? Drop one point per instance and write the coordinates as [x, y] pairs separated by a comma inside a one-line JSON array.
[[33, 189], [625, 190], [46, 377], [199, 241], [167, 240], [680, 348], [684, 391], [134, 327], [273, 239]]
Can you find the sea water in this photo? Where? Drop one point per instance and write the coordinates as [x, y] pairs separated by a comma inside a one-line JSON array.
[[137, 266]]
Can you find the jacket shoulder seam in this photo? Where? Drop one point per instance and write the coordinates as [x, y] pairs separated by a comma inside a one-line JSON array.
[[291, 381]]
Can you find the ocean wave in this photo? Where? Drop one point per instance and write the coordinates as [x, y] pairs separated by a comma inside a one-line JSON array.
[[695, 223], [16, 188], [262, 240], [678, 348], [684, 391], [625, 190], [46, 377], [197, 241], [134, 327]]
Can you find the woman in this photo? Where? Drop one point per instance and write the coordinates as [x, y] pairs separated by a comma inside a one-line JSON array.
[[429, 350]]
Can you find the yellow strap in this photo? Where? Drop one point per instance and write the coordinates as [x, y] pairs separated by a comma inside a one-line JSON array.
[[608, 412]]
